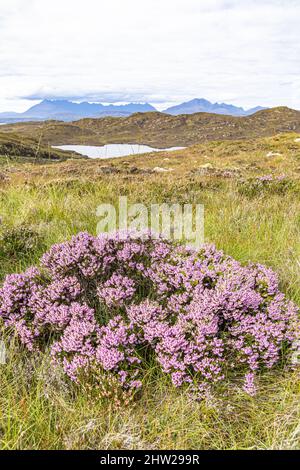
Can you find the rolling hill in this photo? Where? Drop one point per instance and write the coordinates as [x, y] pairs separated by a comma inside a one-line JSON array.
[[160, 130]]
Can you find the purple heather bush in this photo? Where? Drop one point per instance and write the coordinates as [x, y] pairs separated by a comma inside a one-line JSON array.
[[271, 184], [113, 303]]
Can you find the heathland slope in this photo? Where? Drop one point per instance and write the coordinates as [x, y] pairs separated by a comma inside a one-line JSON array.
[[161, 130], [14, 145]]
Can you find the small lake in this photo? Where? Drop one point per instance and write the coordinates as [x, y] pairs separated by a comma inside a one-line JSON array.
[[113, 150]]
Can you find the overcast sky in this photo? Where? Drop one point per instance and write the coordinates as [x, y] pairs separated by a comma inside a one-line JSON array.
[[245, 52]]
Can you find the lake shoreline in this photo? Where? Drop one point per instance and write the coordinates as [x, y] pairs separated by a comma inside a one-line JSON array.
[[114, 150]]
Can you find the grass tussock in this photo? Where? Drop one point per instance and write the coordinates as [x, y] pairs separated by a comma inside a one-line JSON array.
[[40, 410]]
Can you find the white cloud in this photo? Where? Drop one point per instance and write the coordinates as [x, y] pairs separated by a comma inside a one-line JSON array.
[[245, 52]]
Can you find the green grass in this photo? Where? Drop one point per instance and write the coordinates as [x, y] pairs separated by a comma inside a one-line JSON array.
[[40, 410]]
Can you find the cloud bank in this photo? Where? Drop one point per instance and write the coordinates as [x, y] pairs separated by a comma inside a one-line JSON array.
[[244, 52]]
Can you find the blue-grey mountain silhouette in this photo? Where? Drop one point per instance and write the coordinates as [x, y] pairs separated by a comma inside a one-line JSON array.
[[204, 106]]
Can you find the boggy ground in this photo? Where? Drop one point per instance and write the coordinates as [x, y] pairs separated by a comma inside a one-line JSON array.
[[44, 203]]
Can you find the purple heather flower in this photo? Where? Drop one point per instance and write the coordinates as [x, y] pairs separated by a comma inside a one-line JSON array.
[[113, 300]]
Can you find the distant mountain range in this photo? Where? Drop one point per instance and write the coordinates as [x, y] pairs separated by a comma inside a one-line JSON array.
[[205, 106], [64, 110]]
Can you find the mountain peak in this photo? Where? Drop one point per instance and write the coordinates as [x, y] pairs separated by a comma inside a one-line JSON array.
[[199, 101], [201, 105], [64, 110]]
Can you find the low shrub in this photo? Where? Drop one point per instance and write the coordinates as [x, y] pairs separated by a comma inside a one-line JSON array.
[[21, 240], [266, 184], [113, 303]]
